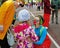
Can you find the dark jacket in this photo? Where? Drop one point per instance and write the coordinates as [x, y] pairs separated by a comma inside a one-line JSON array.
[[55, 2], [47, 6]]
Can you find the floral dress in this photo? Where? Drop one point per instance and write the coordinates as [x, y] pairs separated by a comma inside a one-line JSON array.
[[25, 36]]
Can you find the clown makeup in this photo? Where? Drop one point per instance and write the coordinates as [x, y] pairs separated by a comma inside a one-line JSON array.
[[36, 22]]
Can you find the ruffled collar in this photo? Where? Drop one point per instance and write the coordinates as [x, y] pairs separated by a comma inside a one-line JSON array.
[[21, 27]]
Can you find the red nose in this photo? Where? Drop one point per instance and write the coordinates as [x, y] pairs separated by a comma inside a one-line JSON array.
[[34, 22]]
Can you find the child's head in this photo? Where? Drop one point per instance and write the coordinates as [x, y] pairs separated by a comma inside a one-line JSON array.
[[23, 16], [38, 20]]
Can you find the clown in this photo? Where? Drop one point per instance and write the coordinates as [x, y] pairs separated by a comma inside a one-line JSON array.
[[41, 32]]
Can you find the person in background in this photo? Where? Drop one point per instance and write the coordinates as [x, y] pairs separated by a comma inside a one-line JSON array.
[[42, 4], [38, 6], [47, 12], [41, 32], [54, 5]]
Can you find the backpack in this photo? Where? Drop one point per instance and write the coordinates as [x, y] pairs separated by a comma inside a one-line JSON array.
[[10, 38]]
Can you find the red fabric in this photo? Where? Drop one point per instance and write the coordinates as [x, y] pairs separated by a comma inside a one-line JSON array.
[[46, 20], [46, 43], [20, 27]]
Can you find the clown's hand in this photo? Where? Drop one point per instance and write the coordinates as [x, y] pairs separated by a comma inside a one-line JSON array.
[[1, 28], [38, 42]]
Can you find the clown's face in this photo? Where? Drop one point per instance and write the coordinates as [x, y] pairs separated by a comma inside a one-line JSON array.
[[37, 22]]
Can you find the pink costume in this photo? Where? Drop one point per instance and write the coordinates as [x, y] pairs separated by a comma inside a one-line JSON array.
[[25, 36]]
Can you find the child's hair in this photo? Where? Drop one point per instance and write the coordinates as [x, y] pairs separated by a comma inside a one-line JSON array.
[[41, 19], [23, 15]]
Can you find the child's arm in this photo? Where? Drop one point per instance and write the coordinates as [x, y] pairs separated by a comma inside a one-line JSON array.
[[12, 30], [33, 36], [42, 38]]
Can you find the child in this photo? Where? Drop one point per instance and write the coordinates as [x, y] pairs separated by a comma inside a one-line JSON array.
[[24, 33], [41, 32]]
